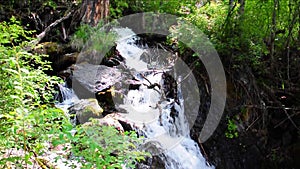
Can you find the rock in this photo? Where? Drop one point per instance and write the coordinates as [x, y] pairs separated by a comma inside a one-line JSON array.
[[142, 166], [126, 126], [152, 163], [106, 100], [48, 48], [157, 162], [89, 79], [61, 62], [86, 109], [109, 120], [61, 56]]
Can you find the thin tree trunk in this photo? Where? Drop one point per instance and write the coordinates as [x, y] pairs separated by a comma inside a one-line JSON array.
[[231, 3], [291, 27], [242, 7], [273, 33]]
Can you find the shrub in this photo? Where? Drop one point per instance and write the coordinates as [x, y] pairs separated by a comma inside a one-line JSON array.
[[106, 147], [27, 117]]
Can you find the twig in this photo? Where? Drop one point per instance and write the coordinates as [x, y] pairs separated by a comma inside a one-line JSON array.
[[289, 117], [151, 86], [277, 125], [190, 72], [272, 107], [146, 79], [64, 31], [163, 47], [285, 111], [252, 123], [43, 34], [206, 156]]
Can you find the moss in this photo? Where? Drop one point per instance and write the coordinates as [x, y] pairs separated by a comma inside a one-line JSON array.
[[93, 110]]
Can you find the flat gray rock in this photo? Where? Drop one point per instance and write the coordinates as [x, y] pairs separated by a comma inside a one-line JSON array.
[[95, 78]]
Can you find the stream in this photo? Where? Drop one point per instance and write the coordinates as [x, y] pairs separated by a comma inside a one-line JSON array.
[[149, 97]]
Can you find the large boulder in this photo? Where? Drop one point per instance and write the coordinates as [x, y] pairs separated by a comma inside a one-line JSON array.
[[86, 109], [89, 79]]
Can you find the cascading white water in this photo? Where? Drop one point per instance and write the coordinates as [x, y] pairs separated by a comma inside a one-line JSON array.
[[68, 97], [150, 112]]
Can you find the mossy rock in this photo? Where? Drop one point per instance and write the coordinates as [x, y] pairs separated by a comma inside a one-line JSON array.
[[48, 48], [86, 109]]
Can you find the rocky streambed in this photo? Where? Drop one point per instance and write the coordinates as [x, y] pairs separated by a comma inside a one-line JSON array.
[[140, 89]]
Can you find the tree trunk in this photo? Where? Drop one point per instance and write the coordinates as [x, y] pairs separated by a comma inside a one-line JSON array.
[[231, 3], [273, 34], [290, 34], [242, 7], [92, 11]]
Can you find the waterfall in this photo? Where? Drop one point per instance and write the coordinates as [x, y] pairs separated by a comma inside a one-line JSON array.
[[155, 113], [150, 112], [66, 97]]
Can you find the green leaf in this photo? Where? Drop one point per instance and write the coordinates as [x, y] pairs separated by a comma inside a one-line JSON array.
[[12, 71], [26, 71]]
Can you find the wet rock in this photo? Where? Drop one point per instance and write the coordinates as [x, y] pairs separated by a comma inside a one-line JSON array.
[[154, 162], [66, 75], [126, 126], [112, 58], [105, 99], [86, 109], [89, 79], [157, 162], [61, 56], [169, 86]]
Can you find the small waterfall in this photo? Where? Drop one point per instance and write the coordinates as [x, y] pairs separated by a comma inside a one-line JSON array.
[[66, 97], [65, 92], [150, 111]]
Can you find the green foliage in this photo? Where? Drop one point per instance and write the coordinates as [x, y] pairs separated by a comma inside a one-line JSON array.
[[50, 3], [208, 18], [92, 38], [21, 84], [163, 6], [231, 129], [28, 119], [106, 147], [81, 36], [117, 8]]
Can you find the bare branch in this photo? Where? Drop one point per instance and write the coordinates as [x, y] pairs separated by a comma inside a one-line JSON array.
[[52, 25], [48, 29]]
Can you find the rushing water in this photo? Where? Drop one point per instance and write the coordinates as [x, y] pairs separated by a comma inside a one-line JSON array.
[[68, 97], [149, 110]]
